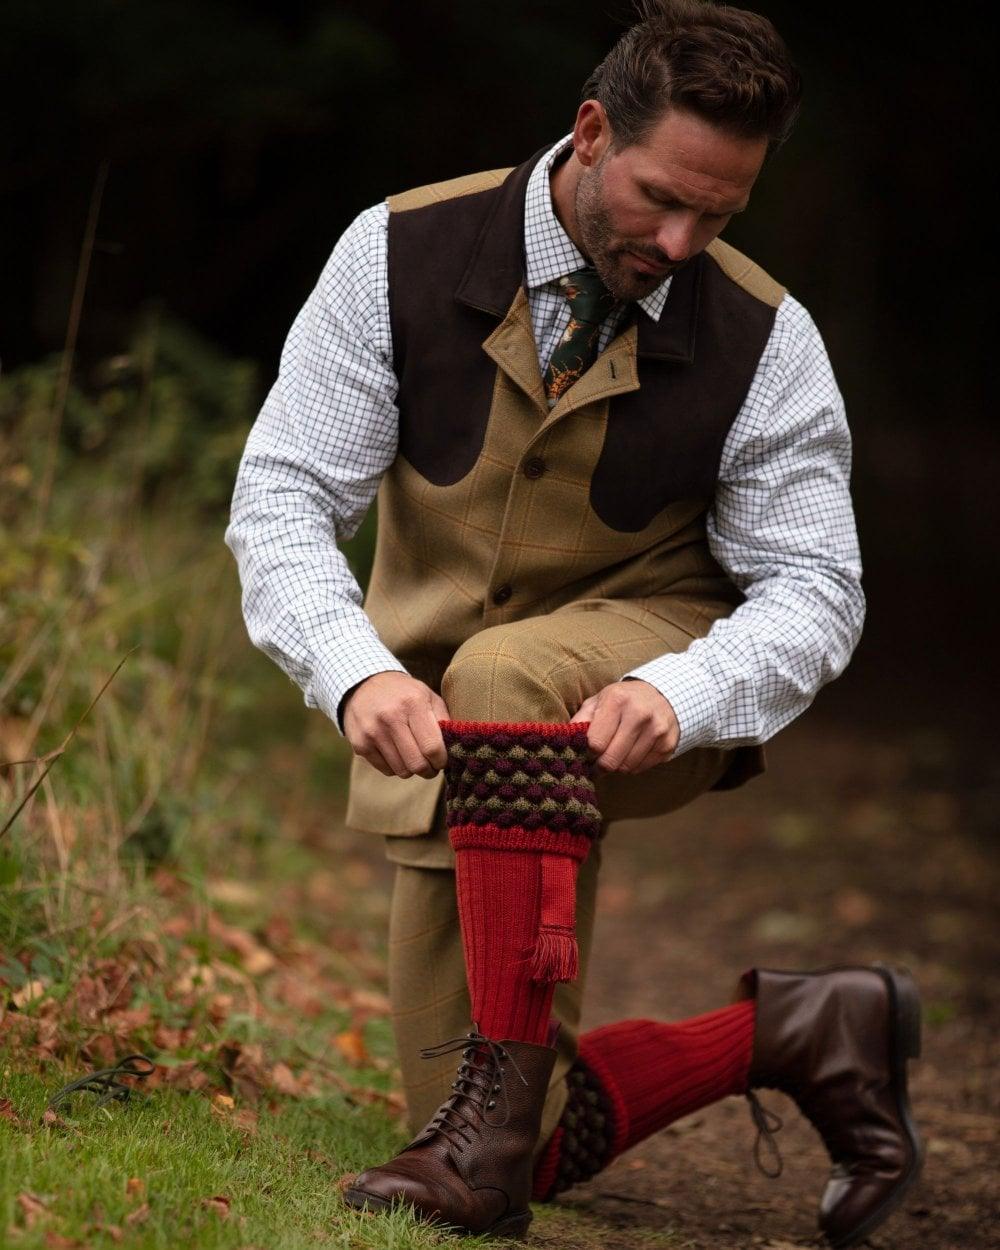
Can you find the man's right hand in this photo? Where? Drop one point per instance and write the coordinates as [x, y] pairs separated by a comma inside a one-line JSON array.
[[391, 720]]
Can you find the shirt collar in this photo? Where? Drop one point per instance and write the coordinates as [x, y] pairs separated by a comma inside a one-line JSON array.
[[549, 252]]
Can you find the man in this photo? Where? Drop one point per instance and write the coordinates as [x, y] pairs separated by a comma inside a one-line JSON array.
[[616, 553]]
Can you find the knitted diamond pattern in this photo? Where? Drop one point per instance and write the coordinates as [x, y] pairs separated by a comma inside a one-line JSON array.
[[521, 785]]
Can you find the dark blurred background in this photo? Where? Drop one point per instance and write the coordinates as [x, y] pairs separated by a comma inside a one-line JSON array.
[[240, 140]]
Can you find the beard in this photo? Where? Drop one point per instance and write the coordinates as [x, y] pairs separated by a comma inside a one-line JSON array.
[[609, 254]]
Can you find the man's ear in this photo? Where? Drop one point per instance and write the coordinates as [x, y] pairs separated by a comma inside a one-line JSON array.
[[591, 133]]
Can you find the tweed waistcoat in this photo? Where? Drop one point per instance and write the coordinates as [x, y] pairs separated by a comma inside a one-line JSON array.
[[497, 507]]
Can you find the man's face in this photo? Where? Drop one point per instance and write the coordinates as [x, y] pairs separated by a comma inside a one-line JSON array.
[[643, 211]]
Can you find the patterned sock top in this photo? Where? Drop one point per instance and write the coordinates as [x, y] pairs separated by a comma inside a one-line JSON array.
[[524, 775]]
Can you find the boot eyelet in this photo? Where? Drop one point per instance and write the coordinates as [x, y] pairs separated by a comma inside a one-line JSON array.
[[496, 1089], [490, 1105]]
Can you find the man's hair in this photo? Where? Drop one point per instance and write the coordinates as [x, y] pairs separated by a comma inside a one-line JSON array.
[[726, 65]]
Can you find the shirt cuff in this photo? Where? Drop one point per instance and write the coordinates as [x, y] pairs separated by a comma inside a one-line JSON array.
[[690, 692], [357, 657]]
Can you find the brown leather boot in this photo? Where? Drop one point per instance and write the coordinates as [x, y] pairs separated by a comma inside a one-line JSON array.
[[469, 1168], [837, 1040]]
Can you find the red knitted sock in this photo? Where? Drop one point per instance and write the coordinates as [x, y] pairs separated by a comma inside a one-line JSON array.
[[498, 899], [521, 817], [634, 1078]]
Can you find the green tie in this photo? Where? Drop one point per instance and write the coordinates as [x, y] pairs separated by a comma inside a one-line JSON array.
[[590, 302]]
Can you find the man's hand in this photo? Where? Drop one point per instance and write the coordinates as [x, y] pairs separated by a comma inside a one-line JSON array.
[[391, 719], [632, 726]]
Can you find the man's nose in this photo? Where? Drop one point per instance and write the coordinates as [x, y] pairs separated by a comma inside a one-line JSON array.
[[675, 237]]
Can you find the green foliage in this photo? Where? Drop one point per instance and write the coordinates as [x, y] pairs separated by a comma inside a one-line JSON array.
[[127, 559], [171, 411]]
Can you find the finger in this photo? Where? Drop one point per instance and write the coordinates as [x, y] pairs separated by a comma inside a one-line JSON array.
[[410, 754], [585, 710], [429, 742], [618, 748], [377, 760], [605, 717], [385, 742], [657, 754]]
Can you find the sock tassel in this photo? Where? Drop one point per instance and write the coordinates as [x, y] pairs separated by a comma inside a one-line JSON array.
[[556, 956]]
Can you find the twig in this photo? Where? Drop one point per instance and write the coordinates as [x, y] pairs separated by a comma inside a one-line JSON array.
[[69, 349], [51, 756]]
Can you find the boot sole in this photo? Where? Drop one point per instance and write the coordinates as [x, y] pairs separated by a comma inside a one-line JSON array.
[[904, 1044], [511, 1226]]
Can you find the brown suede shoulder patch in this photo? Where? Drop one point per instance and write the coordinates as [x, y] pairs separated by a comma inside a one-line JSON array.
[[742, 270], [450, 189]]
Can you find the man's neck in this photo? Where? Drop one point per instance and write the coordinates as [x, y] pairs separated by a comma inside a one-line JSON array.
[[563, 180]]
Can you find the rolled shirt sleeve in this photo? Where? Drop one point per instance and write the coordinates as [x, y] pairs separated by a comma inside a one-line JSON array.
[[782, 527], [310, 470]]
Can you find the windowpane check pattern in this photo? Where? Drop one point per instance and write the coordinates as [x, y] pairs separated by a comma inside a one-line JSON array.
[[781, 524]]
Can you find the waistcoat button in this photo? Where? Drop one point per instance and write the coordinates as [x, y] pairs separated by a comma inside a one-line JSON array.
[[502, 593], [534, 467]]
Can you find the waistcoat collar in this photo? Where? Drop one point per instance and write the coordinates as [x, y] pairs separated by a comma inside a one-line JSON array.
[[496, 270]]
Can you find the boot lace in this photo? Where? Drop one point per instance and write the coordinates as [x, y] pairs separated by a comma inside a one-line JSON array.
[[477, 1084], [768, 1123]]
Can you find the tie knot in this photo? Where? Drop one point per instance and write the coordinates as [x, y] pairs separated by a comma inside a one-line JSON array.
[[589, 299]]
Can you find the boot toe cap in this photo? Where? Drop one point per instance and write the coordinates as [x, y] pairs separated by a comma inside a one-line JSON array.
[[382, 1187], [854, 1207]]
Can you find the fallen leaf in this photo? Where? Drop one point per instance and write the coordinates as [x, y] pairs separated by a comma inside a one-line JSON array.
[[177, 926], [236, 893], [28, 993], [246, 1120], [220, 1007], [51, 1120], [259, 961], [7, 1112], [219, 1204], [131, 1020], [32, 1207], [285, 1081], [256, 959], [56, 1241], [853, 907], [135, 1186], [244, 1066], [371, 1000], [139, 1216], [166, 1039], [351, 1045], [224, 1101]]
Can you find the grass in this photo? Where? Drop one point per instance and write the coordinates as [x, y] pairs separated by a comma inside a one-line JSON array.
[[169, 1170]]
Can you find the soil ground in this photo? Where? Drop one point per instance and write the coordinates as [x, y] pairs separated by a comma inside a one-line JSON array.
[[863, 842]]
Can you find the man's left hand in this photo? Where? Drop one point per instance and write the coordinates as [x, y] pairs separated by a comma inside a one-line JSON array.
[[632, 726]]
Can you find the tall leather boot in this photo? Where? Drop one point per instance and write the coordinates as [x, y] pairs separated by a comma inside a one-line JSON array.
[[837, 1041], [469, 1168]]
